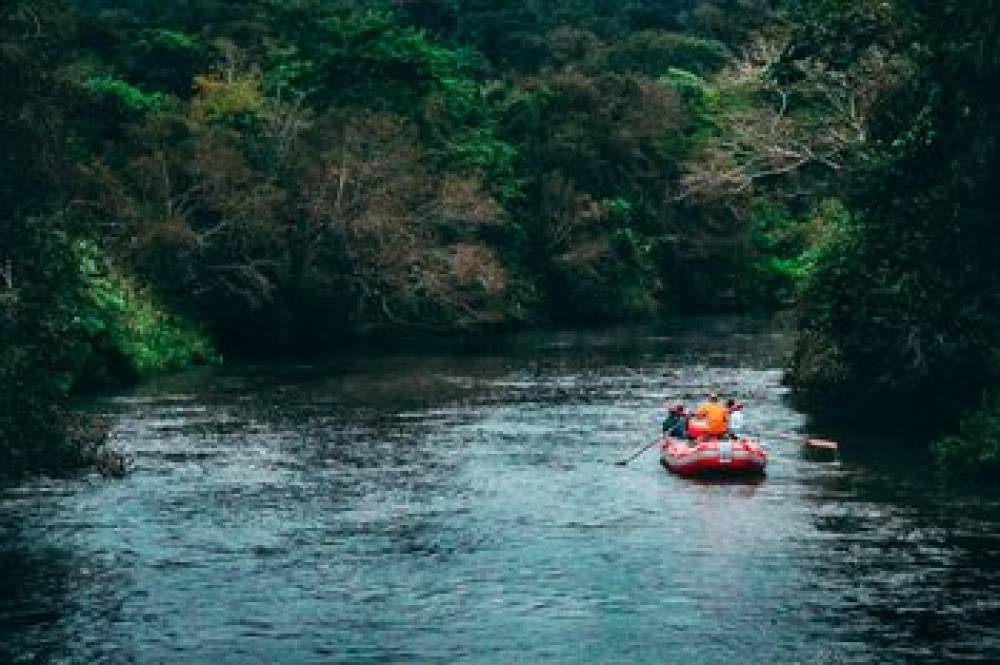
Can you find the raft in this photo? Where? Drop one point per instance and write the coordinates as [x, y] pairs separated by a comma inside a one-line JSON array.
[[713, 457]]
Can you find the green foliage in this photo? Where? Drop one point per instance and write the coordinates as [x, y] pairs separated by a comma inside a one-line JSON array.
[[36, 433], [369, 59], [287, 174], [655, 53], [701, 103], [171, 40], [614, 283], [126, 96], [480, 150], [909, 304], [636, 274], [125, 328], [693, 89], [607, 272], [620, 212], [238, 100], [776, 268], [93, 324], [786, 248], [975, 450], [162, 59]]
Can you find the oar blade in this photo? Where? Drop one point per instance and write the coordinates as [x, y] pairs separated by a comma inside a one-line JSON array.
[[822, 444], [628, 459]]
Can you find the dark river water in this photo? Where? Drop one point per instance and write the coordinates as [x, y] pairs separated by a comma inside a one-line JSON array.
[[462, 505]]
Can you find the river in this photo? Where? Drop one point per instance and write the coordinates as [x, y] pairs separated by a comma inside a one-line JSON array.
[[460, 503]]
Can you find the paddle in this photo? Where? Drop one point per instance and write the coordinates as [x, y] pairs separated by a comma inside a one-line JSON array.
[[824, 444], [637, 453]]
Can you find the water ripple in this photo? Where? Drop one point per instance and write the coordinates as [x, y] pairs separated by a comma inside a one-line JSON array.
[[463, 506]]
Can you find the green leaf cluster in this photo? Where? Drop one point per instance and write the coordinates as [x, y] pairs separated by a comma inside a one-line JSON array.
[[975, 449], [126, 96], [123, 325]]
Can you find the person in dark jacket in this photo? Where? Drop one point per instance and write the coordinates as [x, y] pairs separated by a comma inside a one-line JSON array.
[[676, 423]]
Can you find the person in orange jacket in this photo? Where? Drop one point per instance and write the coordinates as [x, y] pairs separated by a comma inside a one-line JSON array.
[[715, 415]]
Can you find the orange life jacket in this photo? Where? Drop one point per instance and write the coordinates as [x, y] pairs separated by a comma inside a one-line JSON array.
[[716, 417]]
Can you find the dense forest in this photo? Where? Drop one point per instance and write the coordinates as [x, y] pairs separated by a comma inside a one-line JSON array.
[[182, 180]]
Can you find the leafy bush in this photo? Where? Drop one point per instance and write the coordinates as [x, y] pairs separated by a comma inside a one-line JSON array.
[[785, 249], [122, 332], [368, 58], [162, 59], [239, 99], [85, 323], [479, 150], [37, 433], [975, 450], [654, 53], [126, 96], [701, 102]]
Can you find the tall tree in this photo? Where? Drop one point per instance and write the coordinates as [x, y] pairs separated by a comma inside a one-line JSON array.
[[905, 302]]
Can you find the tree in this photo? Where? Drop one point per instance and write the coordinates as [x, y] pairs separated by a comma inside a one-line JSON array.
[[36, 261], [924, 241]]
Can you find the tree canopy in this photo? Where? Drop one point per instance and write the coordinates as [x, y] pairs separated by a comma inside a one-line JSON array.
[[186, 177]]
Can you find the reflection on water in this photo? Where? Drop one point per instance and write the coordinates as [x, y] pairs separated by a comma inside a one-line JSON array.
[[462, 505]]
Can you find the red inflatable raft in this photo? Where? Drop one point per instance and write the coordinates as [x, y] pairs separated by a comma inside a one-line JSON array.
[[713, 457]]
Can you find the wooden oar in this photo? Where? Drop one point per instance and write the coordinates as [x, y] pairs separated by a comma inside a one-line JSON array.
[[824, 444], [638, 452]]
